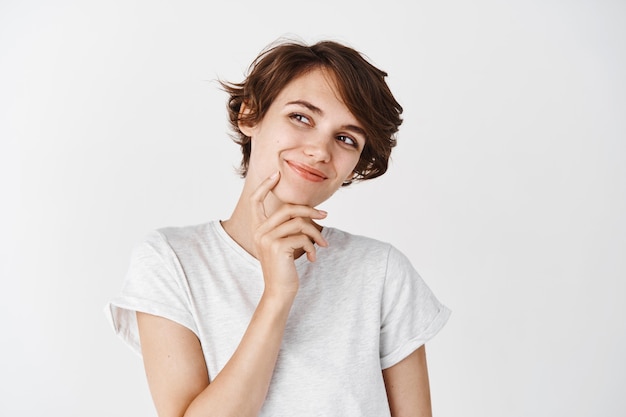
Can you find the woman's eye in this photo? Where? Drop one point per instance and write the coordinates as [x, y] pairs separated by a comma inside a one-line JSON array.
[[301, 118], [347, 140]]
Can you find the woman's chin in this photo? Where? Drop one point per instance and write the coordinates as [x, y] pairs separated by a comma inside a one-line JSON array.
[[289, 195]]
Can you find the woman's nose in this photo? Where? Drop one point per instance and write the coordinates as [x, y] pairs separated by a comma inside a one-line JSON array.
[[318, 147]]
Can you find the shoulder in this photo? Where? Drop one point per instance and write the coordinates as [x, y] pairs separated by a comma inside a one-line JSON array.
[[179, 237], [182, 234], [367, 250], [357, 246], [174, 239], [347, 238]]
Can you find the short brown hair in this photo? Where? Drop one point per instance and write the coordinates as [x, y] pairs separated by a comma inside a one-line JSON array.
[[361, 85]]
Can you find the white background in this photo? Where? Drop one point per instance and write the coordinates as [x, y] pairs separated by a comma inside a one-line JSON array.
[[507, 189]]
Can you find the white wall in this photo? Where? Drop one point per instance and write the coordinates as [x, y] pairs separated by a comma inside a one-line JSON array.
[[507, 189]]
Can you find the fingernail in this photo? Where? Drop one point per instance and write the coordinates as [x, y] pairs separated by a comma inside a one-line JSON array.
[[322, 212], [274, 175]]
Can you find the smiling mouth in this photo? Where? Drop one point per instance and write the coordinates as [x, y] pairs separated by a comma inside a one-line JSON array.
[[307, 172]]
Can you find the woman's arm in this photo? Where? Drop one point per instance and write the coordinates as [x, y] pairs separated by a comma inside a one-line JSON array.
[[408, 388], [173, 358], [177, 373], [174, 363]]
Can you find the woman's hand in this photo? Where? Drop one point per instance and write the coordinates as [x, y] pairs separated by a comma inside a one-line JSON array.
[[281, 237]]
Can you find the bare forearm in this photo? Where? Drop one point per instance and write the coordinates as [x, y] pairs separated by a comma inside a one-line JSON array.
[[241, 387]]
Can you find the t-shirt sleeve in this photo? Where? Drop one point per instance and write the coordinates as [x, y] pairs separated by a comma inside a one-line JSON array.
[[155, 283], [411, 314]]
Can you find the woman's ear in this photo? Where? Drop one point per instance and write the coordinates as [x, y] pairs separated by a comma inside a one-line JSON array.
[[245, 127]]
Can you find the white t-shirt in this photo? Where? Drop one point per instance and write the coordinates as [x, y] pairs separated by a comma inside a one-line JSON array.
[[361, 307]]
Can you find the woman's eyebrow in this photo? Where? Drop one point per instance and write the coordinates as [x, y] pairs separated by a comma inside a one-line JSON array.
[[308, 105], [356, 129]]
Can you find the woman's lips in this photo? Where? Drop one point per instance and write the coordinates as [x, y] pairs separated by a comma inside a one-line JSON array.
[[307, 172]]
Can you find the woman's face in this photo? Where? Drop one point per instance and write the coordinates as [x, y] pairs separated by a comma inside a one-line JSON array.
[[310, 136]]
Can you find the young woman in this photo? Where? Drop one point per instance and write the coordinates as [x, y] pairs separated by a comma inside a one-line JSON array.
[[268, 313]]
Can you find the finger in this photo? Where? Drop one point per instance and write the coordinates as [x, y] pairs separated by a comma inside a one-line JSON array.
[[259, 195], [294, 227], [311, 251], [302, 242], [288, 212]]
